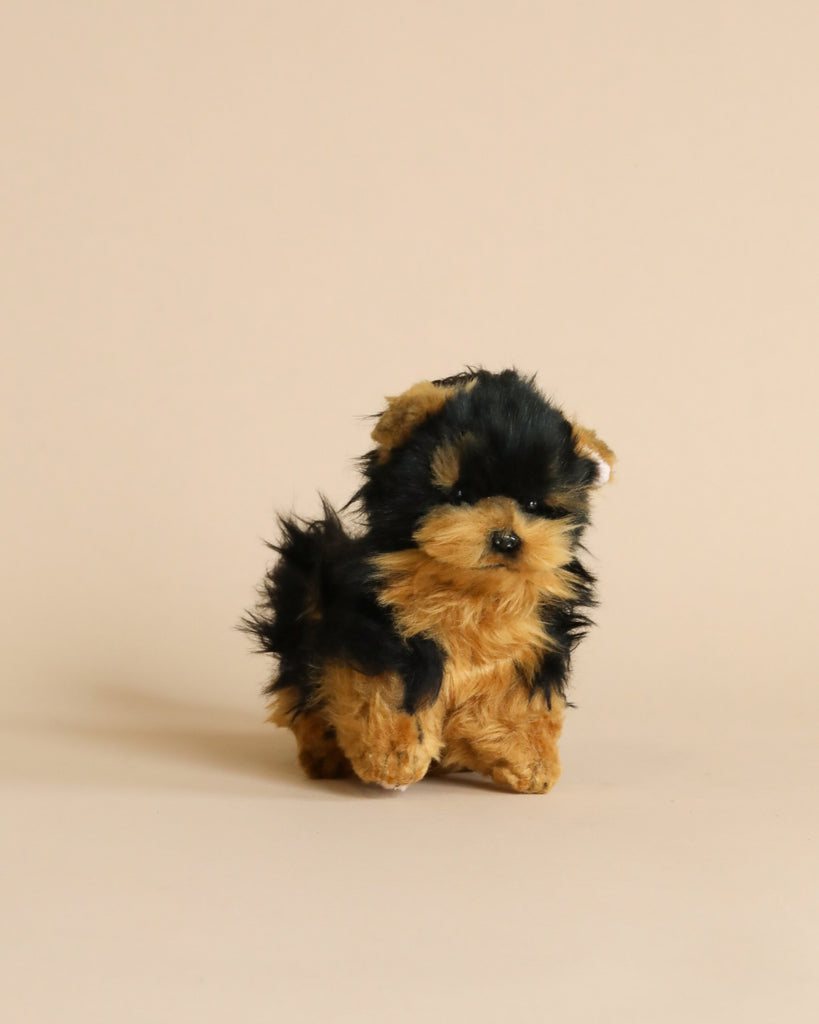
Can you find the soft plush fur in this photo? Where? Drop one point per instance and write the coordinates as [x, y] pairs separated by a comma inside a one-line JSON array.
[[439, 635]]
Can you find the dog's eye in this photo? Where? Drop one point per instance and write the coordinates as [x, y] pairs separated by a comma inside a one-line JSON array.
[[458, 495], [536, 507]]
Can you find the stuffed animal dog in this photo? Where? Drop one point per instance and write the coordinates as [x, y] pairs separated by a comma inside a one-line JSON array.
[[438, 636]]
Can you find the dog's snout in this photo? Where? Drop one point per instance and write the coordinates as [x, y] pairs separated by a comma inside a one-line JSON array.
[[505, 541]]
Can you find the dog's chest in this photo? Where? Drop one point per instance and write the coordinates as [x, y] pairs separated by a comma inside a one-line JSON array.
[[489, 627], [491, 642], [463, 682]]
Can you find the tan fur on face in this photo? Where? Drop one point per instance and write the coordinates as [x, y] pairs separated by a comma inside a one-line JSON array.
[[574, 500], [446, 462], [445, 466], [459, 536]]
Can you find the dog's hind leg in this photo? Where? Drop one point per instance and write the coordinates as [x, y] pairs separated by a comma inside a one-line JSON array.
[[319, 753]]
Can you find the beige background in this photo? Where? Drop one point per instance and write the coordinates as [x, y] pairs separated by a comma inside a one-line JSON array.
[[230, 229]]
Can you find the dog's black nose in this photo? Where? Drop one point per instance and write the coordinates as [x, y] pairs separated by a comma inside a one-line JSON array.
[[505, 541]]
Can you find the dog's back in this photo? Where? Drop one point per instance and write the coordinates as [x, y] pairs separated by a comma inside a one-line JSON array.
[[318, 604]]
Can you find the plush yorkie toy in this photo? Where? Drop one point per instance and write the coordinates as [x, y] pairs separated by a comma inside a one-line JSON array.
[[438, 638]]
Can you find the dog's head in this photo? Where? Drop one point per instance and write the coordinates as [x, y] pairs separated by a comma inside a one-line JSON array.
[[484, 475]]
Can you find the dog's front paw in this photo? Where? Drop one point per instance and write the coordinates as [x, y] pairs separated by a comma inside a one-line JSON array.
[[532, 777], [395, 768]]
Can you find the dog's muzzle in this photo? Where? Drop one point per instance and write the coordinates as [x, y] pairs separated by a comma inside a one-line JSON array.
[[505, 541]]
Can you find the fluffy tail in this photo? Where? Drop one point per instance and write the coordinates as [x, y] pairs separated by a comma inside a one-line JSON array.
[[287, 621]]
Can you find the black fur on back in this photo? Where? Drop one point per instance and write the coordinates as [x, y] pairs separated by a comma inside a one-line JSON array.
[[319, 603]]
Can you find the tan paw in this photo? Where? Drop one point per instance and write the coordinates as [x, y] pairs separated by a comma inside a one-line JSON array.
[[535, 777], [392, 769]]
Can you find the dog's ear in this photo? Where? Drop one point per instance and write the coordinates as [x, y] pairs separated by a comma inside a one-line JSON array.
[[405, 412], [590, 446]]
